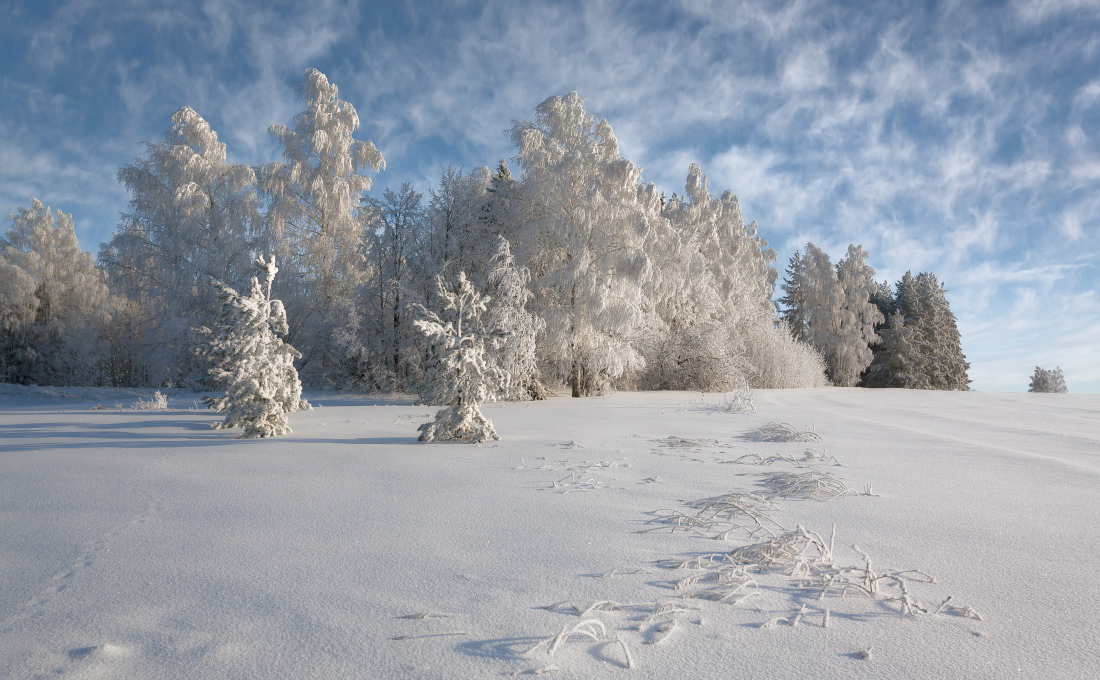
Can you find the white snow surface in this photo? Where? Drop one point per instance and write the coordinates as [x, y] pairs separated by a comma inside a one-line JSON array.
[[144, 544]]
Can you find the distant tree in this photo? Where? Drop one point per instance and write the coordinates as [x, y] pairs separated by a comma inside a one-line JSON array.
[[249, 360], [462, 378], [318, 229], [53, 302], [193, 217], [856, 319], [922, 301], [795, 311], [1048, 381]]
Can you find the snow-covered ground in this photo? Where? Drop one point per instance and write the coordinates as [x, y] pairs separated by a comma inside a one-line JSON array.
[[143, 544]]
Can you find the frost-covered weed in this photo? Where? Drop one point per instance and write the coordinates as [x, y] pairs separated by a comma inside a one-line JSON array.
[[781, 432], [158, 402], [814, 485]]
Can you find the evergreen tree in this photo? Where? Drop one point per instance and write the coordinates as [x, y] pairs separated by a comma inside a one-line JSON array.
[[1048, 381], [250, 361], [795, 310], [922, 300], [462, 378]]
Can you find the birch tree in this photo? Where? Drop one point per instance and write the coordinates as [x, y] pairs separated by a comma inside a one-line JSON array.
[[53, 302], [582, 235], [318, 228], [193, 218]]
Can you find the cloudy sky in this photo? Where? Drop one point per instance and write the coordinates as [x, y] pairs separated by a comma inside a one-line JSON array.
[[960, 138]]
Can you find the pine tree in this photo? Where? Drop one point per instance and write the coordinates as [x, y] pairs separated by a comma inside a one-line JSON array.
[[897, 362], [1044, 380], [250, 361], [318, 229], [53, 302], [514, 354], [795, 312], [462, 377], [922, 301]]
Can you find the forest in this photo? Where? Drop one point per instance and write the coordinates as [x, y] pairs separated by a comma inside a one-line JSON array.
[[587, 277]]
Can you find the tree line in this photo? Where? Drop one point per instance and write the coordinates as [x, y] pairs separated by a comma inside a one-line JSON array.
[[595, 279]]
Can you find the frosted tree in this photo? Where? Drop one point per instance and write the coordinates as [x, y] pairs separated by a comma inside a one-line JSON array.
[[1044, 380], [897, 362], [318, 228], [922, 300], [711, 286], [53, 302], [459, 239], [856, 320], [397, 235], [582, 234], [461, 378], [836, 310], [250, 361], [795, 312], [193, 218], [514, 353]]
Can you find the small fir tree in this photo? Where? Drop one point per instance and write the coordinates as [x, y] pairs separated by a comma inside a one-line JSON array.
[[461, 378], [1044, 380], [250, 361]]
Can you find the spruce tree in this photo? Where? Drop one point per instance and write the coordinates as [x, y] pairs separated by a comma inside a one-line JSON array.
[[250, 361], [461, 378]]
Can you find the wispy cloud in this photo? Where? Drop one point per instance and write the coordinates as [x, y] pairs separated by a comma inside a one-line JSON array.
[[958, 139]]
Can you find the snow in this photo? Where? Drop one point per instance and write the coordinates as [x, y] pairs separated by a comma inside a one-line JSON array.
[[142, 544]]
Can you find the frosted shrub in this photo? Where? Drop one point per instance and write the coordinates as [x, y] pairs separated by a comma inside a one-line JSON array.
[[1048, 381], [158, 402], [251, 362], [779, 361], [461, 377]]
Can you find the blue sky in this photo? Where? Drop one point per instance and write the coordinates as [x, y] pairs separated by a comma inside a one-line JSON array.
[[959, 138]]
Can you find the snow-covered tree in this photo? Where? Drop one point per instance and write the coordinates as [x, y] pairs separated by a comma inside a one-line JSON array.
[[710, 288], [194, 217], [855, 331], [1044, 380], [514, 353], [397, 234], [897, 362], [582, 235], [921, 347], [923, 303], [458, 237], [318, 228], [794, 311], [461, 378], [53, 302], [250, 361], [833, 307]]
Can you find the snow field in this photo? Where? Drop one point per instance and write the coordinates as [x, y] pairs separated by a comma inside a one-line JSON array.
[[145, 544]]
